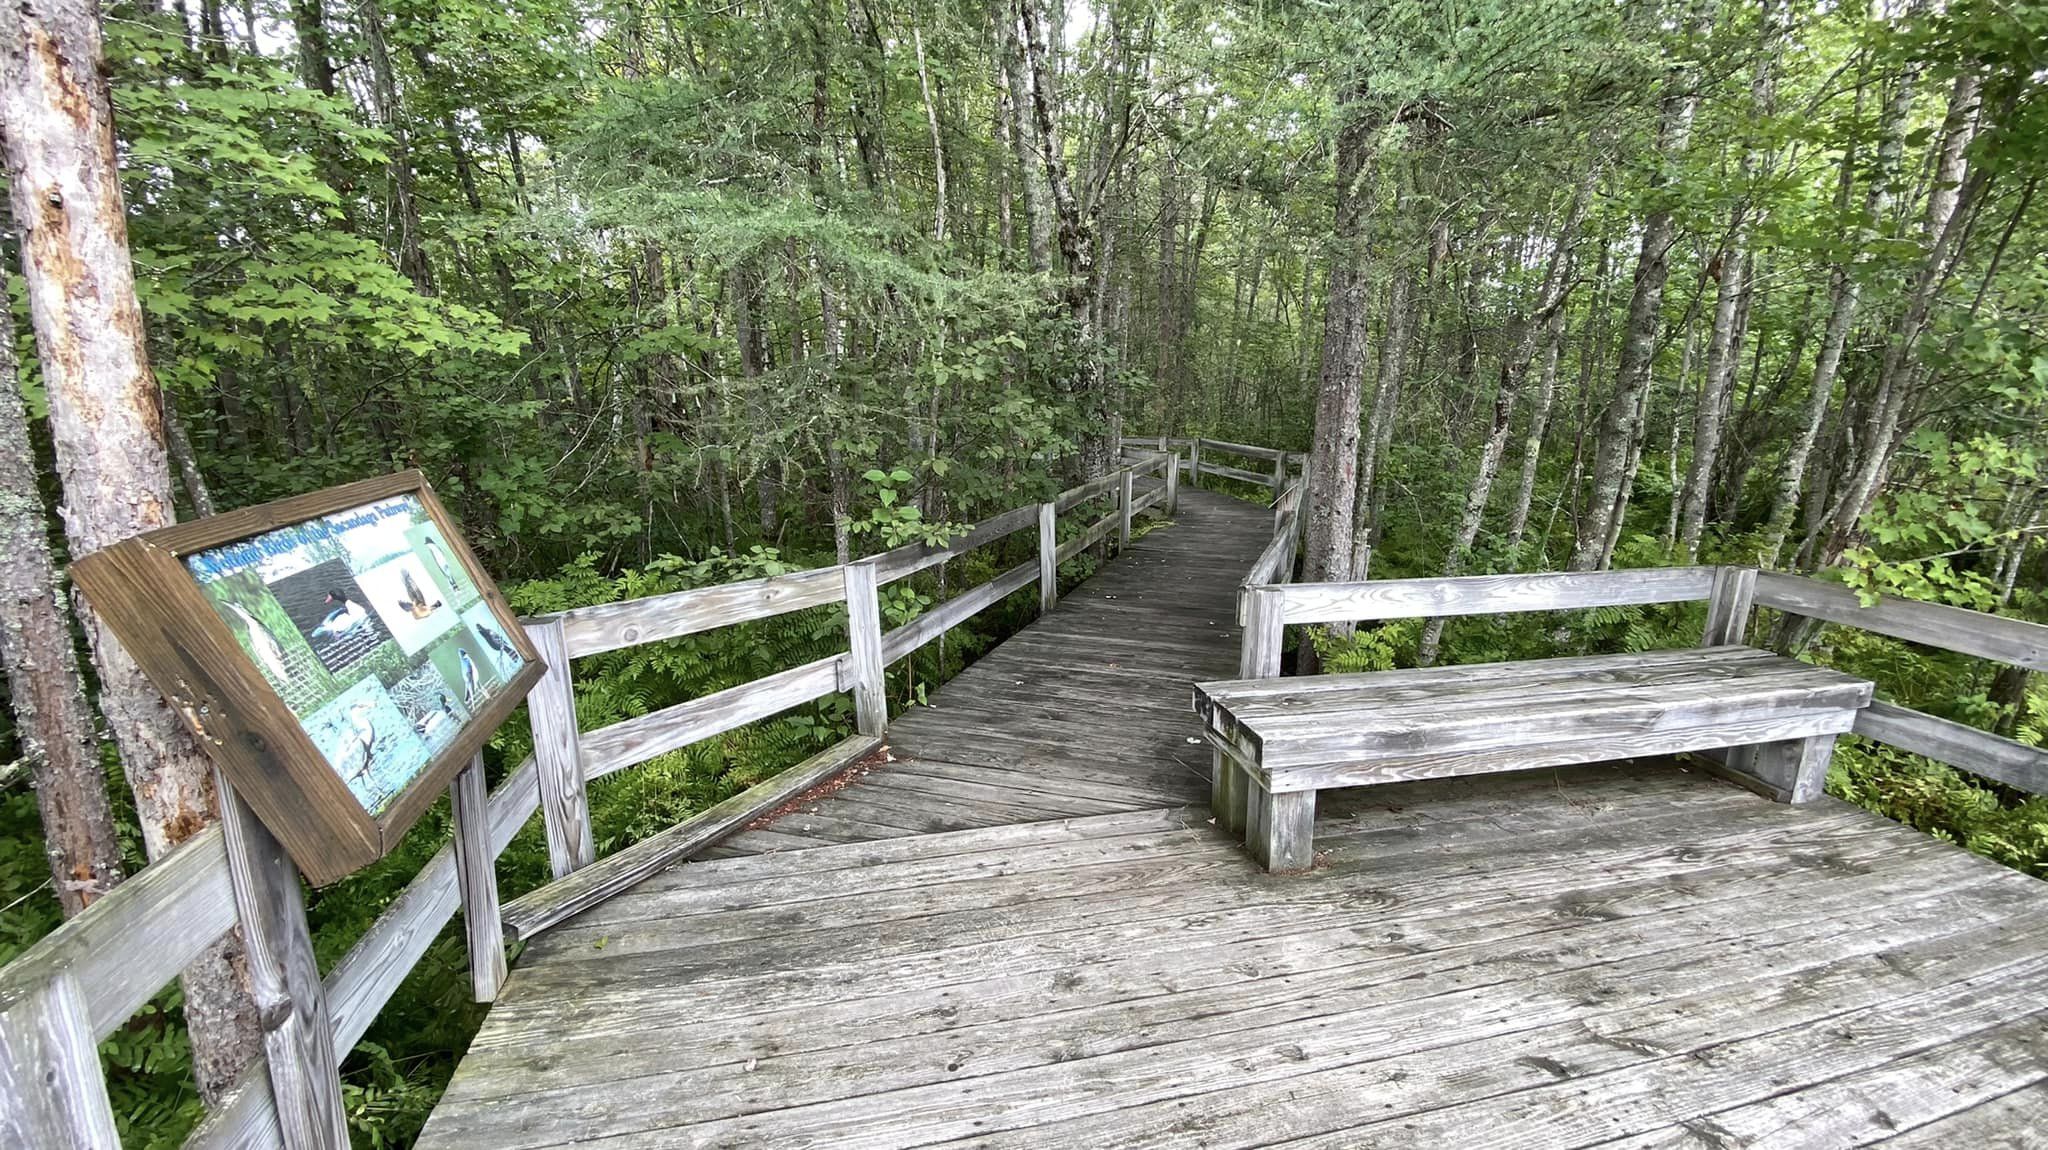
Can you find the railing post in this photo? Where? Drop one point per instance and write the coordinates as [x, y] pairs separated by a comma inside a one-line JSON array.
[[558, 754], [1195, 462], [1048, 557], [1123, 512], [284, 980], [52, 1093], [1728, 607], [1279, 475], [1172, 484], [476, 879], [864, 641]]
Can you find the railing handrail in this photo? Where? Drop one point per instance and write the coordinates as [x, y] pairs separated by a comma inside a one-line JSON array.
[[99, 967], [1731, 592]]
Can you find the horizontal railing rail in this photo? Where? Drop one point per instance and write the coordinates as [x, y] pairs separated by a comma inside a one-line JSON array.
[[84, 980], [1268, 606], [1200, 461]]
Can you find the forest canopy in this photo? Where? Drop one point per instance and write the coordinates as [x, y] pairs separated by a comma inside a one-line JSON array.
[[662, 295]]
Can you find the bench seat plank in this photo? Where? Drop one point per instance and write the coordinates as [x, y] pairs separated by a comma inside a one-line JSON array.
[[1351, 718], [1292, 737]]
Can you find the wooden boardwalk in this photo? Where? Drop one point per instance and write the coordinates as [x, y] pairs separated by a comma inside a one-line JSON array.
[[1024, 933]]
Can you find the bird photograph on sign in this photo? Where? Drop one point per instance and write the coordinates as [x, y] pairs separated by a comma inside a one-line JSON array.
[[355, 618]]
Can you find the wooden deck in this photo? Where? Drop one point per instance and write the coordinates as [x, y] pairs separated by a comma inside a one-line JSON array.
[[1025, 933]]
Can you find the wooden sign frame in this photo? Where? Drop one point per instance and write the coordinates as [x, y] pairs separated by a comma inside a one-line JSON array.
[[154, 604]]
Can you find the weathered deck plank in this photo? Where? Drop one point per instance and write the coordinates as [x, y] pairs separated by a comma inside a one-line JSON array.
[[1626, 955]]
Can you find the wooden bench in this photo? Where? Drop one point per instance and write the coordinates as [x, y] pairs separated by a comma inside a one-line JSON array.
[[1294, 737]]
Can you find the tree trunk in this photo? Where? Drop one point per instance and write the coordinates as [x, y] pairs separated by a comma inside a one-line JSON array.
[[309, 27], [404, 217], [931, 115], [43, 680], [1330, 491], [106, 425], [1079, 241], [746, 313], [1032, 192], [1514, 370], [1891, 397], [1723, 356], [1618, 420]]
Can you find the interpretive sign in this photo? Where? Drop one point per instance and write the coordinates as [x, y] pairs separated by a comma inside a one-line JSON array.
[[339, 654]]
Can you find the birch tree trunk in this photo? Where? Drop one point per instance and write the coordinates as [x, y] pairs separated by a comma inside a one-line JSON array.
[[931, 115], [1031, 190], [1514, 371], [106, 425], [1538, 428], [1943, 229], [1618, 420], [1723, 354]]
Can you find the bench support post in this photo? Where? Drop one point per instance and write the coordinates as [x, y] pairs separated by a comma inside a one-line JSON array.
[[1228, 785], [1792, 771], [1280, 828]]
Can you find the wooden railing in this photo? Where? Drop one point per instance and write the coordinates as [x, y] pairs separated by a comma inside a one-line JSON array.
[[1201, 459], [80, 983], [1731, 593]]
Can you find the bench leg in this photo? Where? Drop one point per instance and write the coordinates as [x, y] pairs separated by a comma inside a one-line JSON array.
[[1792, 771], [1280, 828], [1227, 784]]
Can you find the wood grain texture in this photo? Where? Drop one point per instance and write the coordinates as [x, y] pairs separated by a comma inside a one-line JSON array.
[[476, 880], [1729, 606], [1249, 451], [957, 610], [906, 561], [1242, 475], [631, 622], [1587, 958], [1351, 722], [1094, 489], [1979, 752], [1048, 557], [533, 912], [149, 599], [163, 620], [1124, 511], [1992, 637], [132, 941], [284, 979], [52, 1096], [558, 752], [365, 978], [639, 739], [1227, 792], [865, 658], [1279, 828], [1379, 769], [1259, 656], [1493, 594], [1096, 533]]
